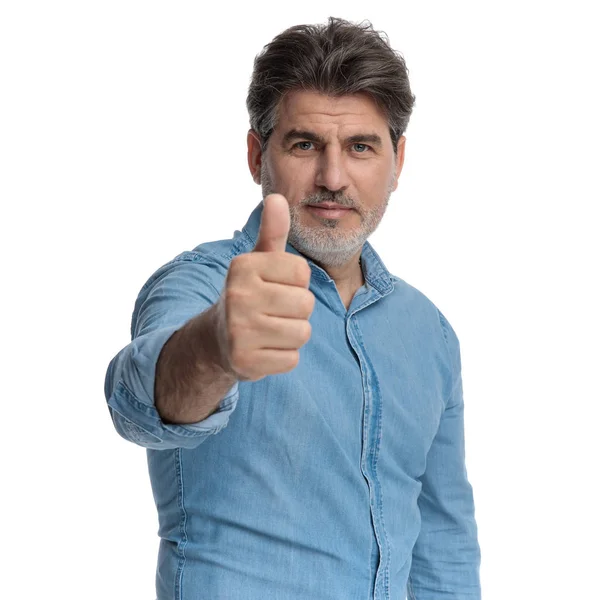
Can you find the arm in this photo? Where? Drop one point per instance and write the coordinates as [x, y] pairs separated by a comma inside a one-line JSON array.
[[446, 556], [174, 296], [190, 380]]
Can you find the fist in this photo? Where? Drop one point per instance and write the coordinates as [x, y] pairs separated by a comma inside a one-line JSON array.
[[265, 304]]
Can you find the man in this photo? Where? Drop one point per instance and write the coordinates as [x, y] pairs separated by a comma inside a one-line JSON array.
[[301, 406]]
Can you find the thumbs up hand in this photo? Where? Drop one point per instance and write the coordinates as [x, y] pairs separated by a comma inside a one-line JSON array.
[[265, 304], [274, 225]]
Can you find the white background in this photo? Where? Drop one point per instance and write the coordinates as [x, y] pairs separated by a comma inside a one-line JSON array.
[[122, 141]]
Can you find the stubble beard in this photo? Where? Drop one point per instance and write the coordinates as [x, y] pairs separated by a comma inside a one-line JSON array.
[[326, 242]]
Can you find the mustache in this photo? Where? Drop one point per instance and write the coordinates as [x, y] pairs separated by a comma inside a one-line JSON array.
[[337, 197]]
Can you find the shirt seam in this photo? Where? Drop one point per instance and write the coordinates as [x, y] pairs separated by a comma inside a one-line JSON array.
[[375, 386], [182, 527], [238, 246], [444, 325]]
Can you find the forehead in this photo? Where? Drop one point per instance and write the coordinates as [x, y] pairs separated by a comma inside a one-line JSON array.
[[307, 109]]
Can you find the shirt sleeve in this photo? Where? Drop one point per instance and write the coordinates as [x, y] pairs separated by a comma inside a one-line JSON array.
[[446, 556], [177, 292]]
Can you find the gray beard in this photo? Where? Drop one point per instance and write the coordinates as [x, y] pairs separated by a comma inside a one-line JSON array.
[[326, 243]]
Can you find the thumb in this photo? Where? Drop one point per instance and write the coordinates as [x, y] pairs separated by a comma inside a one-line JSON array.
[[274, 224]]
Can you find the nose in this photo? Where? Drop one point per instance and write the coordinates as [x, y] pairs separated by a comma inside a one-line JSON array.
[[331, 170]]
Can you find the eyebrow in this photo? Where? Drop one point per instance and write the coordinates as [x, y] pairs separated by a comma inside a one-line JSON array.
[[311, 136]]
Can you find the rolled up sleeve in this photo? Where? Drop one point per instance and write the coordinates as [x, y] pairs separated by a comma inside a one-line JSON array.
[[446, 557], [177, 292]]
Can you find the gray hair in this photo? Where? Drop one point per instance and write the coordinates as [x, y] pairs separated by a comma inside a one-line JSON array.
[[336, 59]]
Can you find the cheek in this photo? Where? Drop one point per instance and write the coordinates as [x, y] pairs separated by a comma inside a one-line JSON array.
[[372, 182], [295, 180]]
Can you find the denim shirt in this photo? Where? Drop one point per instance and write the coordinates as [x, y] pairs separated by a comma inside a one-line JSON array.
[[343, 479]]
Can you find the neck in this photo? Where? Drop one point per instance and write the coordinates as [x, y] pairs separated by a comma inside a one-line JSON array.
[[348, 277]]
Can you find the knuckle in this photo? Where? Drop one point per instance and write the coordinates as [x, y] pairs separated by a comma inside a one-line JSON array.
[[234, 340], [242, 263], [302, 271], [238, 333], [306, 332], [240, 361], [291, 361], [235, 265], [308, 304], [236, 295], [307, 273], [295, 359]]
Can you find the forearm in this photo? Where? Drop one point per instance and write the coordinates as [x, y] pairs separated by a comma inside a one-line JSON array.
[[190, 380]]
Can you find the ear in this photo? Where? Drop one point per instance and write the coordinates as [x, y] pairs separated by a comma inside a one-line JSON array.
[[399, 160], [254, 155]]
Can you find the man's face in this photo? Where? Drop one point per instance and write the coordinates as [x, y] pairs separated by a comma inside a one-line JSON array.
[[329, 150]]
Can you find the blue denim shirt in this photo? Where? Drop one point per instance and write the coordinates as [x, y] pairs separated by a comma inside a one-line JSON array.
[[343, 479]]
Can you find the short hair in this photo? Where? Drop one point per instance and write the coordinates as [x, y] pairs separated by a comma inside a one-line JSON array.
[[337, 58]]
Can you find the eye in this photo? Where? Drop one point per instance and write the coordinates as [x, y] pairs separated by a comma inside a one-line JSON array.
[[304, 145], [360, 148]]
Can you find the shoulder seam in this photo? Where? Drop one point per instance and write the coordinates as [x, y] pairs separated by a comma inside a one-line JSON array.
[[445, 324], [187, 256], [194, 256]]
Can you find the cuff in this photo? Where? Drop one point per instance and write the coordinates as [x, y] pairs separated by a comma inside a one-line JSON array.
[[141, 423]]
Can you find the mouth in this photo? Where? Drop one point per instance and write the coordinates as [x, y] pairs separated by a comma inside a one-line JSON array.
[[329, 210]]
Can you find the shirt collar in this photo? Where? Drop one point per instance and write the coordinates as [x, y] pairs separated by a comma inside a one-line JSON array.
[[374, 270]]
